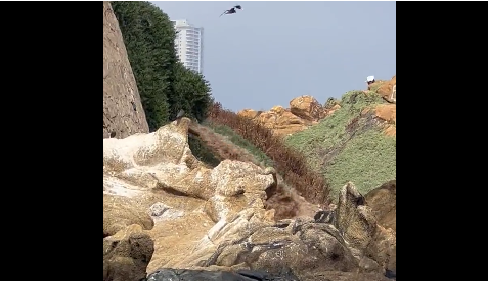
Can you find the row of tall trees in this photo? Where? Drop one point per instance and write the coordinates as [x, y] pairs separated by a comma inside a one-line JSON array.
[[164, 84]]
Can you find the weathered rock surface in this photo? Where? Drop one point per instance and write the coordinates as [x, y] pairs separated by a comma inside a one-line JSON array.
[[304, 111], [308, 108], [122, 112], [382, 201], [386, 115], [163, 160], [359, 226], [118, 212], [387, 112], [126, 254], [219, 222], [385, 88], [205, 275]]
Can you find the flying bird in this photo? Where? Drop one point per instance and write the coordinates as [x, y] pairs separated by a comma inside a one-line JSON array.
[[232, 10], [227, 12]]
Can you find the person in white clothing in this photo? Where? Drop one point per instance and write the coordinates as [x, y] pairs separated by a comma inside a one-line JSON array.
[[370, 80]]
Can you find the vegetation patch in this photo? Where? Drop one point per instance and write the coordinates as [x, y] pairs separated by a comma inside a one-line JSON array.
[[290, 164], [239, 141], [164, 84], [349, 145]]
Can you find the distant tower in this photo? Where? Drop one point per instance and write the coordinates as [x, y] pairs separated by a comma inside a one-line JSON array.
[[189, 45]]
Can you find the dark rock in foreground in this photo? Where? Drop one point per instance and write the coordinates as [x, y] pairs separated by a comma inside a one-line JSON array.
[[203, 275]]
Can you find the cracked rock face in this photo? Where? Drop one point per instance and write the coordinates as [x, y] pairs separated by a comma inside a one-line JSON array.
[[215, 219], [168, 274], [125, 255], [122, 112]]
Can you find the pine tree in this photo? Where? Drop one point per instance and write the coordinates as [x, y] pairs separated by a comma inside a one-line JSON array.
[[165, 85]]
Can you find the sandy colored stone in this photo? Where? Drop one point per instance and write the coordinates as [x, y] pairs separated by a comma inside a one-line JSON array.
[[305, 111], [358, 224], [215, 218], [126, 254], [248, 113], [382, 200], [118, 212], [384, 88], [308, 108], [386, 112]]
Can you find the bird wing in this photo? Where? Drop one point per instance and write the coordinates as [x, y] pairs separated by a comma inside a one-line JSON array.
[[223, 13]]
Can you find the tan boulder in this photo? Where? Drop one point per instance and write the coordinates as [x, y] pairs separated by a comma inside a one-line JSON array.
[[385, 88], [359, 226], [333, 109], [308, 108], [387, 113], [248, 113], [382, 201], [305, 111], [119, 212], [163, 160], [126, 254], [215, 219]]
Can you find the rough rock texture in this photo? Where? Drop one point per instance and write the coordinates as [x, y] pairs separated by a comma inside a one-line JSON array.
[[215, 219], [126, 254], [359, 226], [122, 112], [385, 88], [164, 160], [386, 115], [387, 112], [304, 111], [308, 108], [118, 212], [205, 275], [382, 201]]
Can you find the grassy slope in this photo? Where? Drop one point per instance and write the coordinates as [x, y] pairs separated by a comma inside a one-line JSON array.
[[237, 140], [360, 153]]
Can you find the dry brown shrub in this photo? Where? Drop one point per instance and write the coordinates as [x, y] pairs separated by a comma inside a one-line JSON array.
[[289, 163]]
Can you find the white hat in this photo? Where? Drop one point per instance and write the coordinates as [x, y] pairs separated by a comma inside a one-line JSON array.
[[370, 78]]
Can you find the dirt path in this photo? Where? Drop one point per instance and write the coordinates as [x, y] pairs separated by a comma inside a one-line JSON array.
[[225, 149]]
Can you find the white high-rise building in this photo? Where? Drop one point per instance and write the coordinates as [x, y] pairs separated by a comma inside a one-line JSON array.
[[189, 45]]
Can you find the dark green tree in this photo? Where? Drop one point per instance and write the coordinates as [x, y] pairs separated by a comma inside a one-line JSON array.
[[195, 92], [165, 85], [149, 38]]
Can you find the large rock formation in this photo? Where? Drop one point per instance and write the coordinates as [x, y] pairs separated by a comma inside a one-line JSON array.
[[168, 274], [215, 219], [358, 225], [385, 88], [122, 112], [385, 114], [382, 201], [304, 111], [125, 255]]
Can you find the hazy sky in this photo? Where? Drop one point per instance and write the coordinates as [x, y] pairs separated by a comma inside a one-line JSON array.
[[271, 52]]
